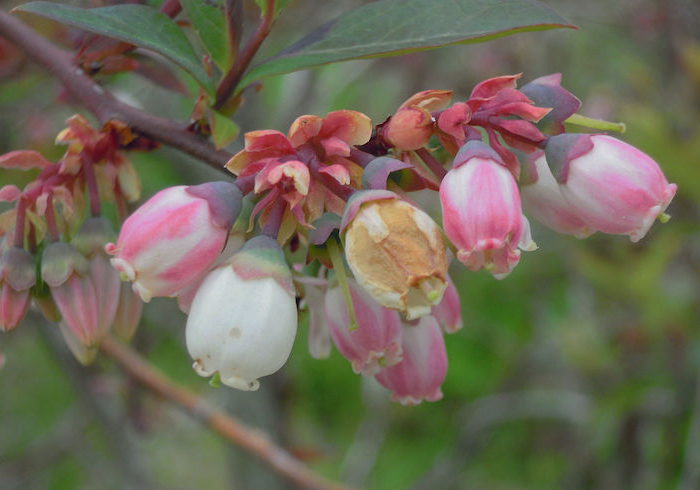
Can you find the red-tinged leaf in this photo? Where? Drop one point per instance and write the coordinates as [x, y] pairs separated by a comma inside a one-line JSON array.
[[23, 160], [391, 27]]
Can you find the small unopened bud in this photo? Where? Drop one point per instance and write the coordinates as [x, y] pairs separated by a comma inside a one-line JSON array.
[[375, 342], [17, 276], [420, 374]]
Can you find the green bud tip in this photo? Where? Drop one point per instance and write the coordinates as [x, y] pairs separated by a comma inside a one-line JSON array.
[[215, 380], [663, 217]]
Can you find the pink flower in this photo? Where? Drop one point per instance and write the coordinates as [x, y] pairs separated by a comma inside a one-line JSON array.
[[420, 374], [612, 186], [543, 200], [481, 211], [375, 342], [174, 237]]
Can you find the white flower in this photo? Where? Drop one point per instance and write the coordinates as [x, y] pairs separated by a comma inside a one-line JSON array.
[[240, 328]]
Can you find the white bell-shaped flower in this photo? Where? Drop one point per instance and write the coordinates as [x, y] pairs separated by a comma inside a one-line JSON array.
[[242, 328]]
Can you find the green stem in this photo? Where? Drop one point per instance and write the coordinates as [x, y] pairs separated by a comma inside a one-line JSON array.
[[339, 268], [589, 122]]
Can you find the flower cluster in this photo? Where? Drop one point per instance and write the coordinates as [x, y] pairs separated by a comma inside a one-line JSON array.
[[334, 191], [52, 254]]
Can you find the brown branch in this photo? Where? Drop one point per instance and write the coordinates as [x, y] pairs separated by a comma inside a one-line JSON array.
[[248, 438], [100, 102], [230, 81]]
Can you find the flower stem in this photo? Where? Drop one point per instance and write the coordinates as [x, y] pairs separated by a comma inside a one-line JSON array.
[[91, 182], [589, 122], [431, 163], [274, 219], [339, 268], [19, 222], [51, 220], [250, 439]]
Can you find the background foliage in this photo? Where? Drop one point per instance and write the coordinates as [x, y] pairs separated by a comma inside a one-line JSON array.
[[578, 371]]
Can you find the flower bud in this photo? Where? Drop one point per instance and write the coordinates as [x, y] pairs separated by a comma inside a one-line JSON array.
[[543, 201], [395, 251], [243, 319], [409, 129], [90, 241], [448, 312], [481, 211], [420, 374], [17, 276], [175, 236], [612, 186], [67, 274], [375, 342]]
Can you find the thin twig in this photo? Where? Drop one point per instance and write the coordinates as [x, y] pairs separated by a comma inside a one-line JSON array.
[[230, 81], [100, 102], [250, 439]]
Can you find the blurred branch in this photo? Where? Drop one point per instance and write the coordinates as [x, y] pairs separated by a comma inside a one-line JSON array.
[[100, 102], [129, 467], [248, 438], [243, 59]]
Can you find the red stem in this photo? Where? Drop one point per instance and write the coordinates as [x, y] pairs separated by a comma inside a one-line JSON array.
[[234, 75], [431, 163], [19, 222], [51, 220], [274, 219], [91, 182]]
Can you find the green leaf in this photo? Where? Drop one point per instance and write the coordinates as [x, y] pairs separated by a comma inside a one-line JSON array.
[[209, 22], [136, 24], [223, 129], [391, 27]]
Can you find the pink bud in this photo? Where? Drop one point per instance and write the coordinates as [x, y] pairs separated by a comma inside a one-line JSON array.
[[481, 211], [17, 276], [423, 368], [78, 304], [543, 200], [174, 237], [375, 342], [448, 312], [612, 186], [68, 275], [409, 128]]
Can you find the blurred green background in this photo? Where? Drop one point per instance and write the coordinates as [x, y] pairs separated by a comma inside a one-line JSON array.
[[580, 370]]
